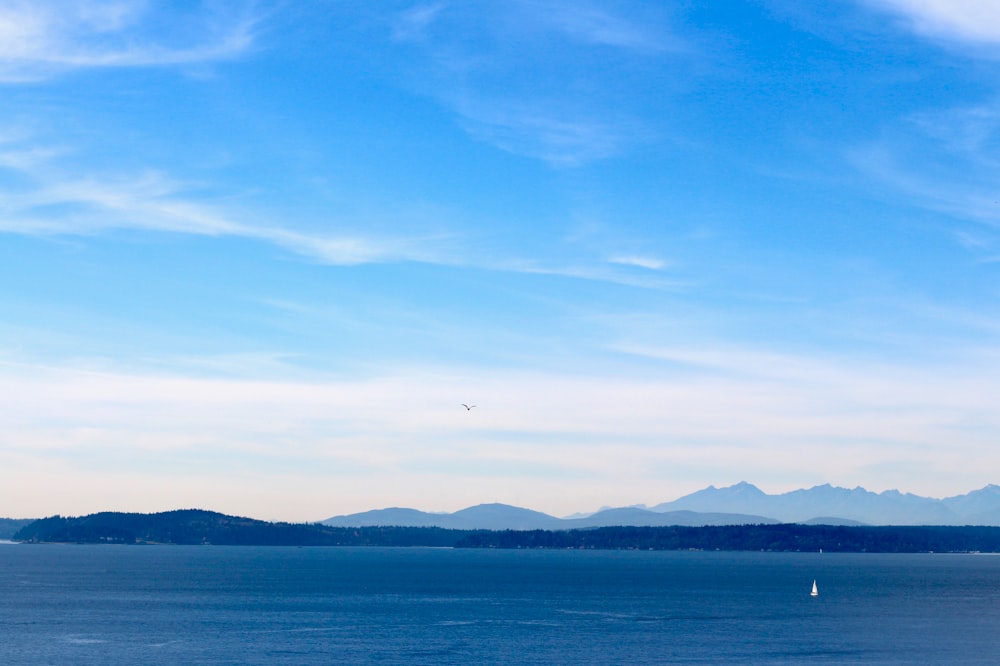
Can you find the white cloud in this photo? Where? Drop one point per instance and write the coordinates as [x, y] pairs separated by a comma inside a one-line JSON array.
[[976, 21], [38, 39], [596, 273], [651, 263]]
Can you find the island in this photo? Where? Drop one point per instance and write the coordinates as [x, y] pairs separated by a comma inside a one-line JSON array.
[[200, 527]]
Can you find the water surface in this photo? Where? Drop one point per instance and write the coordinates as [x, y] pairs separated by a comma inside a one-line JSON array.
[[63, 604]]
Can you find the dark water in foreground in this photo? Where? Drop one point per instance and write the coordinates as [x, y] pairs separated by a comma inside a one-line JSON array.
[[246, 605]]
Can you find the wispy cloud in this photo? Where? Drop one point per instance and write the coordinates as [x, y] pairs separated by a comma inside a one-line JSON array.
[[42, 199], [564, 113], [48, 202], [945, 190], [945, 161], [537, 129], [38, 39], [582, 22], [972, 132], [413, 23], [396, 437], [652, 263], [975, 21], [596, 273], [594, 24], [814, 397]]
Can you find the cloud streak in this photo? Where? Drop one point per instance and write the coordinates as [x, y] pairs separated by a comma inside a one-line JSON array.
[[944, 161], [47, 203], [569, 121], [972, 21], [591, 24], [42, 200], [650, 263], [535, 129], [39, 39]]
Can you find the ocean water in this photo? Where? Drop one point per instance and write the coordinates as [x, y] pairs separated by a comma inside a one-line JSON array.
[[66, 604]]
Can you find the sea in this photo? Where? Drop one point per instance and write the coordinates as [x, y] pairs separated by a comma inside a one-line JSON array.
[[110, 605]]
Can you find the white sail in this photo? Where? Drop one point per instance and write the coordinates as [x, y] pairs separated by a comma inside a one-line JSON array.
[[815, 590]]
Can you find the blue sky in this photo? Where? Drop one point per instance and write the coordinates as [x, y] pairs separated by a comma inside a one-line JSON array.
[[254, 255]]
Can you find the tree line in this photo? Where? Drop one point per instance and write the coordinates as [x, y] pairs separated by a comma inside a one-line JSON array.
[[194, 527]]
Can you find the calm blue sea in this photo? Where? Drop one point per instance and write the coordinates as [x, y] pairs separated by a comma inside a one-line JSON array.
[[244, 605]]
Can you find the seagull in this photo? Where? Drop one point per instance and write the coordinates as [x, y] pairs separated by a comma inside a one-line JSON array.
[[468, 408]]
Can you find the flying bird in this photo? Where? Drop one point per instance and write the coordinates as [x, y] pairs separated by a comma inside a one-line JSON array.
[[468, 408]]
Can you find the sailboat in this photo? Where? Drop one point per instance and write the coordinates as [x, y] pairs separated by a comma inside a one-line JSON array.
[[815, 590]]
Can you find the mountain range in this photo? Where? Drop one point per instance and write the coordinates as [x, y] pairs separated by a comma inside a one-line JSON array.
[[739, 504]]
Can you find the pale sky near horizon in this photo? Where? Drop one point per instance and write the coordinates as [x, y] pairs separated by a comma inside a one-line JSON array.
[[255, 255]]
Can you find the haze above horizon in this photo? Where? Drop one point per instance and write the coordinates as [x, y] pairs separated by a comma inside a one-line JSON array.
[[254, 257]]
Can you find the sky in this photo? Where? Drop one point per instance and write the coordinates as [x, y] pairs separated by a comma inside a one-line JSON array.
[[255, 255]]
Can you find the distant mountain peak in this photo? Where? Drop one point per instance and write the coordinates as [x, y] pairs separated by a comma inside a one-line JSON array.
[[739, 503], [496, 509], [889, 507], [745, 488]]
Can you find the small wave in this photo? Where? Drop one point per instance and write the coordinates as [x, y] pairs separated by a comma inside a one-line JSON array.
[[303, 630], [455, 623], [82, 640]]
